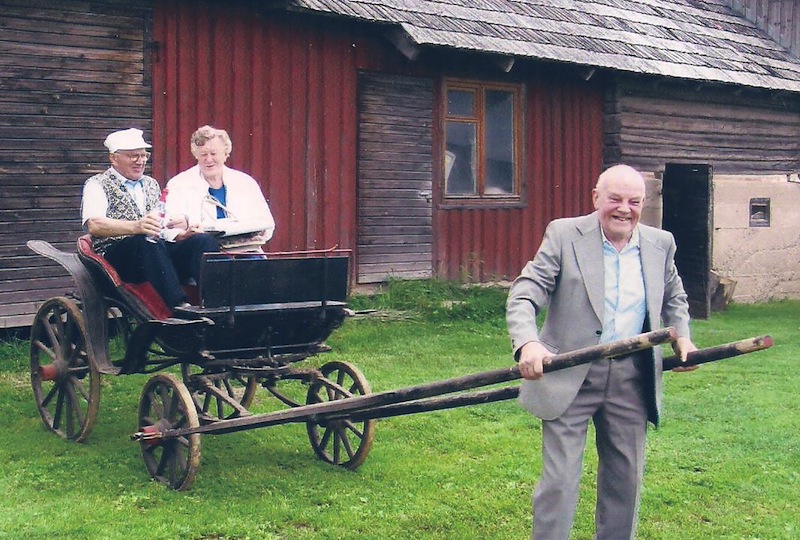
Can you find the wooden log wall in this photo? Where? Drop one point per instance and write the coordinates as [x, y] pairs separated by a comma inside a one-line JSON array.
[[70, 73], [777, 18], [395, 166], [747, 131]]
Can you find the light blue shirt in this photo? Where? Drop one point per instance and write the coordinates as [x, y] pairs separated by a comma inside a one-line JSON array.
[[135, 188], [624, 310]]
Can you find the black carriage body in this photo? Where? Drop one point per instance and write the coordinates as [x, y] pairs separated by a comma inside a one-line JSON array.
[[267, 307]]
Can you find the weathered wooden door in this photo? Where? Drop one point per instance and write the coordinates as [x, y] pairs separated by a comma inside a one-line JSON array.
[[395, 167], [688, 215]]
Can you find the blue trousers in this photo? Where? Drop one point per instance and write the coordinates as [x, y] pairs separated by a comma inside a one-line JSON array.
[[164, 264]]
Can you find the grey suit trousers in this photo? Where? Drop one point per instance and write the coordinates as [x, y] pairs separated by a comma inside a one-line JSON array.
[[612, 397]]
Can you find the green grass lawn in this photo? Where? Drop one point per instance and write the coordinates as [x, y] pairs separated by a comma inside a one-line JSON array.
[[724, 464]]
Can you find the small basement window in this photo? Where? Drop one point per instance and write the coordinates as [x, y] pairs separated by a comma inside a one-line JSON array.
[[759, 212]]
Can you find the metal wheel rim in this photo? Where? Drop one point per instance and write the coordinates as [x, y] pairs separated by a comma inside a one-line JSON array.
[[340, 442], [167, 404], [68, 404]]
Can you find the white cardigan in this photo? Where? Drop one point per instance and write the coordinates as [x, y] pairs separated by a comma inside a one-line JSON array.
[[188, 195]]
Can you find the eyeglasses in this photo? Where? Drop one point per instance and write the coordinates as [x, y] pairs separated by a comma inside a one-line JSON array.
[[143, 156]]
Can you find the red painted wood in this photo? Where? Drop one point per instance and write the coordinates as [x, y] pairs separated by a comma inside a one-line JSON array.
[[284, 86]]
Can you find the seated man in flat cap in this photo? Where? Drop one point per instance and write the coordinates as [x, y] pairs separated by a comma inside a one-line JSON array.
[[119, 210]]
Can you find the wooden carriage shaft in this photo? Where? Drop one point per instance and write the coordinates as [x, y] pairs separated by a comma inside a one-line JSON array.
[[311, 412], [702, 356]]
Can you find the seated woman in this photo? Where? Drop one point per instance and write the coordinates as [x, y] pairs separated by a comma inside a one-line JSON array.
[[213, 196]]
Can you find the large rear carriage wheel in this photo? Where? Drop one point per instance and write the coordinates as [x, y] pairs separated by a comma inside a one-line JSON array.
[[340, 441], [166, 404], [64, 374]]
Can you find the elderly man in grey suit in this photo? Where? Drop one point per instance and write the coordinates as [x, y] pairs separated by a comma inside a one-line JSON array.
[[601, 277]]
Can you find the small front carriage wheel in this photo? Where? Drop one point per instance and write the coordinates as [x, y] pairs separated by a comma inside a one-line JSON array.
[[340, 441], [64, 374], [167, 405]]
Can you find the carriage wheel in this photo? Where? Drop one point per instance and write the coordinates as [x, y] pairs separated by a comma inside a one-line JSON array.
[[64, 374], [239, 387], [341, 441], [166, 404]]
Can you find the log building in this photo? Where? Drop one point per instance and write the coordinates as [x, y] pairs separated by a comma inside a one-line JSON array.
[[433, 138]]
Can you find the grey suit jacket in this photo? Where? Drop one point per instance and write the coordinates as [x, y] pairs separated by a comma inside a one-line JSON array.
[[566, 278]]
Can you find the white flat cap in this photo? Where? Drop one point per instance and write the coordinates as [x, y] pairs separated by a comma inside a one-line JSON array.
[[127, 139]]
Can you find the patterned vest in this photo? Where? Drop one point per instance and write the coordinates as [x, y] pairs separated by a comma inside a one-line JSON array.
[[121, 204]]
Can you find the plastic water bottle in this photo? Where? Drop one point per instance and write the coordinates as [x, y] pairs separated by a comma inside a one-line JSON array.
[[162, 216]]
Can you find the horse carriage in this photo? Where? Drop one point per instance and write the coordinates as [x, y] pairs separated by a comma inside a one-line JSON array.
[[254, 319]]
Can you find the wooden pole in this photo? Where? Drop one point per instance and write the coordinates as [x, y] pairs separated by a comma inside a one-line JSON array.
[[720, 352], [702, 356], [318, 411]]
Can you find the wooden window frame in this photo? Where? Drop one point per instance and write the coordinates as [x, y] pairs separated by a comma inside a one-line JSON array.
[[479, 89]]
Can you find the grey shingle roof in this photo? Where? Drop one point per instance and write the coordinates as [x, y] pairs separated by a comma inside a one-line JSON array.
[[691, 39]]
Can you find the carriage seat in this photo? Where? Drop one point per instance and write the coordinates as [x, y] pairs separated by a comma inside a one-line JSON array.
[[140, 298]]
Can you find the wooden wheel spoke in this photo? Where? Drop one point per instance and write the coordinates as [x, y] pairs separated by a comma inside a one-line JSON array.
[[155, 404], [50, 330], [60, 333], [337, 447], [77, 371], [59, 407], [350, 426], [341, 433], [326, 437], [44, 348], [53, 392], [180, 452], [163, 461], [174, 412], [75, 403], [164, 400], [76, 384], [70, 412]]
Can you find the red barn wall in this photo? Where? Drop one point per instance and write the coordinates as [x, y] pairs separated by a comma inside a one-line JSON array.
[[284, 86]]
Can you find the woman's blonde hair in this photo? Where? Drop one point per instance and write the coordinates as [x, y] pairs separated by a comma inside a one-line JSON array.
[[205, 134]]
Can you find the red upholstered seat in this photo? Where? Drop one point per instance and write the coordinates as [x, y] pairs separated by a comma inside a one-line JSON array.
[[141, 298]]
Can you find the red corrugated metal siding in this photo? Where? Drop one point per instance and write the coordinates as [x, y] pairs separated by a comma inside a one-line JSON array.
[[284, 88], [563, 156]]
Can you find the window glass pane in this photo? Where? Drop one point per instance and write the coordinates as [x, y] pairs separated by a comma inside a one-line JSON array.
[[499, 144], [460, 103], [460, 159]]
